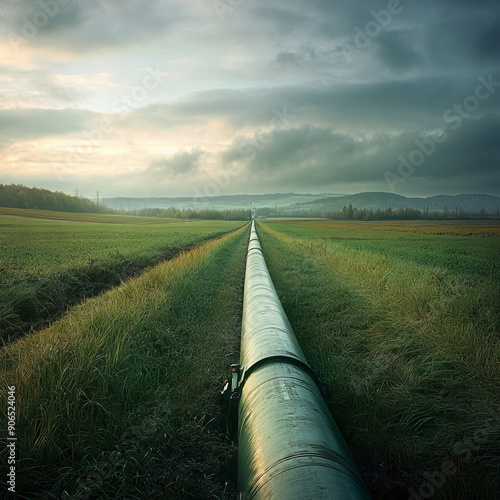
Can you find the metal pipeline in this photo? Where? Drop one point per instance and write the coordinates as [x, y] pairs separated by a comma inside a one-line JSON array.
[[289, 446]]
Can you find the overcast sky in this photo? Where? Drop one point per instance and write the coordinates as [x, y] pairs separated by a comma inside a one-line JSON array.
[[196, 97]]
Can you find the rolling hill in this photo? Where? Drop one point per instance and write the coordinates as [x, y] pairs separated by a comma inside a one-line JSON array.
[[466, 202], [291, 203]]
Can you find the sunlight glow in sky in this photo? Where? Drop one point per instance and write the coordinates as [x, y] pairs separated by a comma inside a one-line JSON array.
[[170, 98]]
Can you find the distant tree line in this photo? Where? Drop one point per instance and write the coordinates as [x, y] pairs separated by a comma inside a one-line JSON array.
[[364, 214], [236, 214], [353, 213], [19, 196]]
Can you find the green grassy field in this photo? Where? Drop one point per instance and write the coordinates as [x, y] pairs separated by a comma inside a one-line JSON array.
[[489, 227], [403, 326], [48, 264], [119, 399], [120, 396]]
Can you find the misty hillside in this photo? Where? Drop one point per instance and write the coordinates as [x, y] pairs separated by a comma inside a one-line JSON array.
[[225, 202], [466, 202], [299, 203]]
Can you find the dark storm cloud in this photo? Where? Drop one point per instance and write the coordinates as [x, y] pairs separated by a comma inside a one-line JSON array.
[[440, 33], [302, 154], [397, 49], [325, 19], [473, 149], [393, 104], [181, 164], [315, 156], [451, 41], [92, 24], [29, 124], [487, 45], [83, 26], [350, 118]]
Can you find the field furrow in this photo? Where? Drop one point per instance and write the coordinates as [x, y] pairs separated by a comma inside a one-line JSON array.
[[120, 397]]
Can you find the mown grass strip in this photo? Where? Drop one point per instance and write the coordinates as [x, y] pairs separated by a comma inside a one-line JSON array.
[[120, 397], [411, 355], [50, 215]]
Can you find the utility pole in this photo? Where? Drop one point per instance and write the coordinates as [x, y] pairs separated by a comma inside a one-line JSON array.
[[97, 197], [76, 192]]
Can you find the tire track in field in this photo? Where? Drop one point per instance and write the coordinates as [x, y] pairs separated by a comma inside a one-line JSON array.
[[85, 287]]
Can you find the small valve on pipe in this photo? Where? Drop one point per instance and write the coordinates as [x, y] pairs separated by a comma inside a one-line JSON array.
[[230, 397]]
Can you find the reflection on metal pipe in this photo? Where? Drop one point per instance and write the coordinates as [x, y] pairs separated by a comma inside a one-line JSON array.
[[289, 447]]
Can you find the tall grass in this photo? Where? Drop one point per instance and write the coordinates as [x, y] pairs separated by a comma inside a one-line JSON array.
[[410, 352], [119, 398]]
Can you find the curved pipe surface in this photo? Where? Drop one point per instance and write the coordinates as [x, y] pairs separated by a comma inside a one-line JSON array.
[[289, 447]]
